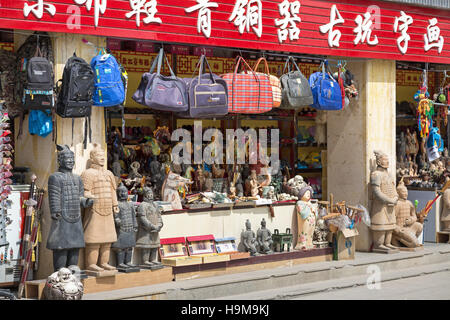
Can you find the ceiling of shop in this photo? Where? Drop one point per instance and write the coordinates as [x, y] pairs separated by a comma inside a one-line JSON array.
[[441, 4]]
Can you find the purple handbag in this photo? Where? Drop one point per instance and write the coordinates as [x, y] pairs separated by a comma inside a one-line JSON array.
[[207, 93], [160, 92]]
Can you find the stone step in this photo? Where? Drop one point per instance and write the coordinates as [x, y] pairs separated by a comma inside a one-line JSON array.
[[219, 287], [305, 290]]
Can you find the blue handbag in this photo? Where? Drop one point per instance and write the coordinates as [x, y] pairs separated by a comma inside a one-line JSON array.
[[326, 91]]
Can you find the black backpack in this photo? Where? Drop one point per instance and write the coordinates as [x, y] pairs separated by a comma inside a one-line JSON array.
[[38, 91], [76, 89]]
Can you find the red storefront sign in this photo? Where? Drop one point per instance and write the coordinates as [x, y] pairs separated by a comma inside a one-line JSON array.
[[350, 28]]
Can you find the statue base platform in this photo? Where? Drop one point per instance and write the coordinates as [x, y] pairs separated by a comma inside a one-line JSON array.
[[154, 267], [386, 251], [129, 269], [411, 249], [82, 275], [101, 274]]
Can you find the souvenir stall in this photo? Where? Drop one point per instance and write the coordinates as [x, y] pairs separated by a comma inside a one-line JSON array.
[[422, 140], [151, 156]]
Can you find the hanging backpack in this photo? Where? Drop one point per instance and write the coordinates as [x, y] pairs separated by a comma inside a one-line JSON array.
[[75, 92], [38, 91], [295, 88], [109, 86], [326, 91], [76, 89], [40, 122], [207, 93]]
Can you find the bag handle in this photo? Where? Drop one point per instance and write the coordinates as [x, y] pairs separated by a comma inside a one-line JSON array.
[[201, 63], [38, 52], [239, 59], [266, 65], [160, 62], [288, 65]]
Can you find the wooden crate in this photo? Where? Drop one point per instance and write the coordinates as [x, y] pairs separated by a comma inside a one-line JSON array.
[[443, 237], [34, 289]]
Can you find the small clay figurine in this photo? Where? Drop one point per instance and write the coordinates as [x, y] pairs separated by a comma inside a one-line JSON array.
[[116, 167], [199, 179], [66, 197], [264, 239], [217, 172], [320, 234], [63, 285], [157, 176], [126, 227], [249, 239], [134, 174], [252, 184], [407, 229], [98, 222], [209, 183], [150, 224], [171, 185], [385, 198], [306, 219], [402, 147]]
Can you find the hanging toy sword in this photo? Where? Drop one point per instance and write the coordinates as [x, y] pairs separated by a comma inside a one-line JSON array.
[[424, 212], [26, 241]]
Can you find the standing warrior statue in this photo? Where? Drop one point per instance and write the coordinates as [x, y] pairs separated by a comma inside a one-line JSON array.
[[126, 226], [384, 199], [66, 196], [99, 226], [150, 224]]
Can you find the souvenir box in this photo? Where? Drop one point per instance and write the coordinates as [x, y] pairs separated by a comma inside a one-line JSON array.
[[173, 252], [228, 246], [204, 247]]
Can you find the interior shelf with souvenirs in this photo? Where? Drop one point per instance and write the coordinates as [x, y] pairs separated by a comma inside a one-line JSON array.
[[422, 140]]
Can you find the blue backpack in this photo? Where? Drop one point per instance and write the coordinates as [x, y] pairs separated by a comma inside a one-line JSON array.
[[326, 91], [109, 87], [40, 122]]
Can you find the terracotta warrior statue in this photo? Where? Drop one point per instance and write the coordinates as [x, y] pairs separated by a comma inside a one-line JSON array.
[[264, 238], [407, 229], [249, 239], [306, 219], [150, 224], [66, 197], [126, 227], [98, 222], [384, 199]]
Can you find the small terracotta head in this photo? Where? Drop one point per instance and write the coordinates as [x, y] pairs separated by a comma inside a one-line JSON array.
[[402, 190], [66, 158], [148, 194], [248, 225], [122, 192], [97, 155], [382, 159]]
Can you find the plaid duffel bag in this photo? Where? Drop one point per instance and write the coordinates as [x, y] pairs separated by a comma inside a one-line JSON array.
[[248, 92]]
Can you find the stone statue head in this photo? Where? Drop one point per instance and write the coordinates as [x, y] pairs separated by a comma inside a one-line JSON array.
[[402, 190], [248, 225], [263, 223], [148, 194], [97, 155], [382, 159], [66, 157], [122, 192]]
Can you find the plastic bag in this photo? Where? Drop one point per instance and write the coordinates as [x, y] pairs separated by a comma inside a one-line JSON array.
[[365, 217]]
